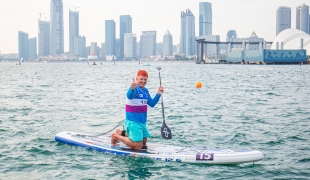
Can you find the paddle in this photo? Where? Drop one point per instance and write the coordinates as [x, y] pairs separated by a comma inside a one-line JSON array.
[[165, 131]]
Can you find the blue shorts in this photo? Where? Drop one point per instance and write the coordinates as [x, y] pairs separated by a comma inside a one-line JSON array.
[[136, 131]]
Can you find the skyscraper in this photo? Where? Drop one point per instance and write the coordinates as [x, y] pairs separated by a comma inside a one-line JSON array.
[[167, 44], [283, 19], [80, 46], [57, 28], [32, 48], [94, 48], [302, 18], [231, 35], [187, 42], [147, 44], [73, 29], [125, 27], [205, 18], [110, 37], [130, 46], [22, 45], [44, 38]]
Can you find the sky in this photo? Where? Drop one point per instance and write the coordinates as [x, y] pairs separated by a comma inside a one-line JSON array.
[[243, 16]]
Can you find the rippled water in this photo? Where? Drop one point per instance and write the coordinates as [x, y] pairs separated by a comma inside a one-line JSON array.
[[257, 107]]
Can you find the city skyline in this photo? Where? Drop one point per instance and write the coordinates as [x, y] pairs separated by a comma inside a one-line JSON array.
[[240, 15]]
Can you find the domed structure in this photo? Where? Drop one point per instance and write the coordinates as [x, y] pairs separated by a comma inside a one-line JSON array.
[[291, 39], [92, 56]]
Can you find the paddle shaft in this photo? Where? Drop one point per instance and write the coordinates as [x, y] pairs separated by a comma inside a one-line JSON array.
[[162, 99]]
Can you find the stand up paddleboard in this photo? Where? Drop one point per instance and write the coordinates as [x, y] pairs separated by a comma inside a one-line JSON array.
[[161, 152]]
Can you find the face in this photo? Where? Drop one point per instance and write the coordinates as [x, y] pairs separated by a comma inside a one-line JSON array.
[[141, 81]]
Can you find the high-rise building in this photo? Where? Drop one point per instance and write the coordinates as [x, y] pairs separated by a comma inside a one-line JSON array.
[[205, 19], [167, 44], [188, 43], [73, 29], [57, 28], [80, 46], [32, 48], [125, 26], [231, 35], [130, 46], [94, 48], [22, 45], [44, 38], [283, 19], [302, 18], [110, 37], [147, 44]]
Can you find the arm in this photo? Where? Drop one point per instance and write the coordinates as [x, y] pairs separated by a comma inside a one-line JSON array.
[[152, 102], [130, 93], [131, 90]]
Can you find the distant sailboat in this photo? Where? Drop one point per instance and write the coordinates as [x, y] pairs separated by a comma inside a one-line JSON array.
[[21, 60]]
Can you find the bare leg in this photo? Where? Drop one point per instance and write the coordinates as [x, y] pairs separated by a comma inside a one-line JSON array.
[[135, 145]]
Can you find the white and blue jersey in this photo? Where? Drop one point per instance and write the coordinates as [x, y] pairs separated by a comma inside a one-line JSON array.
[[136, 104]]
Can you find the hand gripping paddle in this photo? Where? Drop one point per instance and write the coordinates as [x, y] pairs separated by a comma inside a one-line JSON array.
[[165, 131]]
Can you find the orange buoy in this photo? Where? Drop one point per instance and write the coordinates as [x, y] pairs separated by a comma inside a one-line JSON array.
[[198, 85]]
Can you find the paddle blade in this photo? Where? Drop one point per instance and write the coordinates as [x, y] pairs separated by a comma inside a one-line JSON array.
[[165, 131]]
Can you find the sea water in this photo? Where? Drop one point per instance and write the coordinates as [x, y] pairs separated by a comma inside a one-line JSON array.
[[255, 107]]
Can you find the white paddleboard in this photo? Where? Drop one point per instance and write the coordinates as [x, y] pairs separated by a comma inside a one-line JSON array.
[[161, 152]]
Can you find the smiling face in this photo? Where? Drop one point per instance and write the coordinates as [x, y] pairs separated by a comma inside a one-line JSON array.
[[141, 81]]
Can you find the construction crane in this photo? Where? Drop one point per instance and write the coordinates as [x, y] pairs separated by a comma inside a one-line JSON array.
[[40, 15], [74, 7]]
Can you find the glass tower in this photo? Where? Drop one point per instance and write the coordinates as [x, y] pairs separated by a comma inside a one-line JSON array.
[[187, 41], [57, 28], [22, 45], [205, 18], [110, 37], [73, 29], [283, 19], [167, 44], [44, 38], [80, 46], [302, 18], [125, 27], [147, 44], [32, 48], [130, 46]]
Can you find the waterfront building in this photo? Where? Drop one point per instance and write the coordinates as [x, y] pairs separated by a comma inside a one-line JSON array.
[[57, 28], [73, 29], [283, 19], [167, 44], [110, 37], [130, 46], [231, 36], [292, 39], [80, 46], [92, 57], [205, 19], [290, 47], [125, 27], [302, 18], [147, 44], [44, 38], [102, 51], [32, 48], [94, 48], [211, 50], [22, 45], [187, 42]]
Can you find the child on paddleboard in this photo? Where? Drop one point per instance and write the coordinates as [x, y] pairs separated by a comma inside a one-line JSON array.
[[138, 97]]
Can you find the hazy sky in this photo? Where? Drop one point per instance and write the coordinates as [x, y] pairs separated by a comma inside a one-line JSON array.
[[244, 16]]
